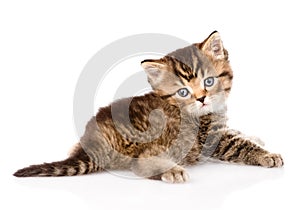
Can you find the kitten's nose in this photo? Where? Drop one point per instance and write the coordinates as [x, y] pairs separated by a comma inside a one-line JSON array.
[[201, 99]]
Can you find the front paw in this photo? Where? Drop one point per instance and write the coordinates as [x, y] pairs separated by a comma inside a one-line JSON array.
[[175, 175], [271, 160]]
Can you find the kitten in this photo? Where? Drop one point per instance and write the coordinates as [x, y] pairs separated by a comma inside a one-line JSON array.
[[182, 122]]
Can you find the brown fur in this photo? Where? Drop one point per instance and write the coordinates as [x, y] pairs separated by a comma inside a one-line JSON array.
[[78, 163], [157, 134]]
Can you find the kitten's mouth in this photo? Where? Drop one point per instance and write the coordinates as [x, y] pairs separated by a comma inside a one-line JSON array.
[[201, 105]]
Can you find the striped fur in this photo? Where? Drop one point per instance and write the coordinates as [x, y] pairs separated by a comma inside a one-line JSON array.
[[239, 150], [77, 164], [157, 134]]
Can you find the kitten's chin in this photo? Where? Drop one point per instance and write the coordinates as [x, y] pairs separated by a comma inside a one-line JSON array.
[[203, 109]]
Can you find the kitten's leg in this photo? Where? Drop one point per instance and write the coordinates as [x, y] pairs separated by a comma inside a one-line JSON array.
[[158, 168], [236, 148], [254, 139]]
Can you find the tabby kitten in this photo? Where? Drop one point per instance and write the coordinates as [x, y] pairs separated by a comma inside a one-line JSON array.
[[182, 122]]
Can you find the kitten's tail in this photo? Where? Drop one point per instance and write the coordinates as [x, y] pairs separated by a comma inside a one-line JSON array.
[[77, 164]]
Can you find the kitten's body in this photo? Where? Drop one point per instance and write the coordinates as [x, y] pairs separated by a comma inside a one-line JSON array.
[[181, 122]]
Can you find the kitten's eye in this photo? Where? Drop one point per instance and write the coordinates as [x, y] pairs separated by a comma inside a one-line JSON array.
[[183, 92], [209, 81]]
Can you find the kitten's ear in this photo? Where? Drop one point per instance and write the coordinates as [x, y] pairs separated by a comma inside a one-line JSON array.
[[213, 46], [154, 70]]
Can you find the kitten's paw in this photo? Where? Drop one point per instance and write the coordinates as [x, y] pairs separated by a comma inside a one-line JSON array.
[[271, 160], [175, 175]]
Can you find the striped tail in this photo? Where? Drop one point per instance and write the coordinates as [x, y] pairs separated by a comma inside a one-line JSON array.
[[77, 164]]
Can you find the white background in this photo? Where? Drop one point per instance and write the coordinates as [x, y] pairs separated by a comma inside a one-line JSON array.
[[43, 49]]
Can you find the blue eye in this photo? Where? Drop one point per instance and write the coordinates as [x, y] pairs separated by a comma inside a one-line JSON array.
[[209, 81], [183, 92]]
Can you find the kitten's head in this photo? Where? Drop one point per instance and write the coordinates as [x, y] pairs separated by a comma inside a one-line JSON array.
[[197, 77]]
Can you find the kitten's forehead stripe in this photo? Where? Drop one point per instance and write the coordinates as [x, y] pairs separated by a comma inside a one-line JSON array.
[[196, 59], [190, 62], [227, 89], [225, 73], [198, 67], [173, 64], [182, 70], [202, 72]]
